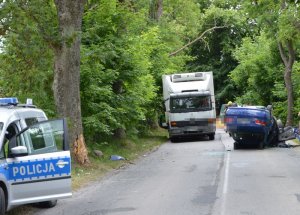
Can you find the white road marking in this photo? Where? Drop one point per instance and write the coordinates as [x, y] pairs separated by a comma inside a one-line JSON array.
[[225, 185]]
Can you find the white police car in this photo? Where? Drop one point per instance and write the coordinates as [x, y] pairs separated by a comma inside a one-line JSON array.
[[35, 164]]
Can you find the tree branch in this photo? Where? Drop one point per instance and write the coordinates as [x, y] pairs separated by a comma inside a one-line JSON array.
[[292, 54], [282, 54], [51, 42], [290, 59], [195, 40]]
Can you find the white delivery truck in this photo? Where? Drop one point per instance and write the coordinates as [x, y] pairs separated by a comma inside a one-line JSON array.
[[189, 101]]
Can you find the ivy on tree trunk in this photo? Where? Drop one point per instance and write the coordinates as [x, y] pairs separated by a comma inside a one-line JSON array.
[[66, 84]]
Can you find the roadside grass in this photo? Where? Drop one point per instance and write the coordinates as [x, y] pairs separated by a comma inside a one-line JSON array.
[[130, 148]]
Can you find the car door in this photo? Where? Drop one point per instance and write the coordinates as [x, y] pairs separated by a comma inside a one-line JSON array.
[[39, 163]]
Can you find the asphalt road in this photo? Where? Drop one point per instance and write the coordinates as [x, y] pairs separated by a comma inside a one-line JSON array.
[[199, 177]]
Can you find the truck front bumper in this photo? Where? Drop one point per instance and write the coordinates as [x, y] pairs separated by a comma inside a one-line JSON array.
[[191, 131]]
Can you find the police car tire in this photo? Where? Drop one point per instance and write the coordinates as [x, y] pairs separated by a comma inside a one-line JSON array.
[[48, 204], [2, 202]]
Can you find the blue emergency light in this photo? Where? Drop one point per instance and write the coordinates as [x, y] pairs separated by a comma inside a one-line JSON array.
[[8, 101]]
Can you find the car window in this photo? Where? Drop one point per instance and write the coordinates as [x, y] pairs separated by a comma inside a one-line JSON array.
[[44, 137], [31, 121]]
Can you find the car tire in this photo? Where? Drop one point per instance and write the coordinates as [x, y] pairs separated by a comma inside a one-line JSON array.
[[261, 145], [236, 145], [2, 202], [47, 204]]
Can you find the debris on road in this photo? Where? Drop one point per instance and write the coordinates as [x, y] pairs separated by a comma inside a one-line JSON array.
[[288, 144], [116, 158]]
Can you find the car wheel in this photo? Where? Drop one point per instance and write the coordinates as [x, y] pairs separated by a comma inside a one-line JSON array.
[[236, 145], [261, 145], [2, 202], [274, 136], [48, 204]]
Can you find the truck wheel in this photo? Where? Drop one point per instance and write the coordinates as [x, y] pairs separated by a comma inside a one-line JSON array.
[[211, 136], [47, 204], [173, 139], [2, 202]]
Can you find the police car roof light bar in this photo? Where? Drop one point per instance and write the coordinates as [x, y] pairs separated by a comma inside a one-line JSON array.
[[8, 101]]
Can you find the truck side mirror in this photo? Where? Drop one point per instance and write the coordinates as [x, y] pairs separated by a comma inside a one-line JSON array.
[[162, 122]]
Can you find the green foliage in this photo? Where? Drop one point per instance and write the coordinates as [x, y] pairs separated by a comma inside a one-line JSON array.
[[123, 58], [214, 51], [278, 21], [26, 60], [257, 71]]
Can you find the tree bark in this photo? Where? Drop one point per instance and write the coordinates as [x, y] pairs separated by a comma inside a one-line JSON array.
[[288, 60], [156, 9], [117, 86], [66, 84]]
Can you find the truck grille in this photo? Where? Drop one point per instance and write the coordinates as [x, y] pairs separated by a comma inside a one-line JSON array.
[[192, 123]]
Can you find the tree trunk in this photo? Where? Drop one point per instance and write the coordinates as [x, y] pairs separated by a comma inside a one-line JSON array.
[[156, 9], [66, 84], [290, 97], [288, 60], [117, 86]]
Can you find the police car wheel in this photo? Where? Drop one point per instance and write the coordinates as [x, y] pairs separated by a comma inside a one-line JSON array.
[[48, 204], [2, 202]]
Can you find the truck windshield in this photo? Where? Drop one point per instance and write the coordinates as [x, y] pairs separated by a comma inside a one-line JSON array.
[[190, 104], [1, 127]]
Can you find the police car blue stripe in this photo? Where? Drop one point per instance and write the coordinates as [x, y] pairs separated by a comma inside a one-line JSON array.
[[44, 168]]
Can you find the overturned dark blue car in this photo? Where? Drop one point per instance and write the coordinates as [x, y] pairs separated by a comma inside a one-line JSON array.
[[255, 125]]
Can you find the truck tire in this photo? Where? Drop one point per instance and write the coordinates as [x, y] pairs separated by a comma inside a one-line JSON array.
[[2, 202], [173, 139], [211, 136]]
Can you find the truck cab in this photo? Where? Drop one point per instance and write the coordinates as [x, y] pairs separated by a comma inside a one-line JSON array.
[[35, 163]]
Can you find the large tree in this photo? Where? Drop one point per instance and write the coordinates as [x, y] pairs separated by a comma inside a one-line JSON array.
[[27, 28], [281, 20], [67, 71]]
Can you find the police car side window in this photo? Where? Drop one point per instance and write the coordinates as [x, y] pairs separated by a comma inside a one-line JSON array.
[[43, 138]]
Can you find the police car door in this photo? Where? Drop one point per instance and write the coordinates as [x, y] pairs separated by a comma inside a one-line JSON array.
[[39, 163]]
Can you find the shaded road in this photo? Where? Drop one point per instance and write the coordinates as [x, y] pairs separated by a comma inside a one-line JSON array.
[[195, 177]]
